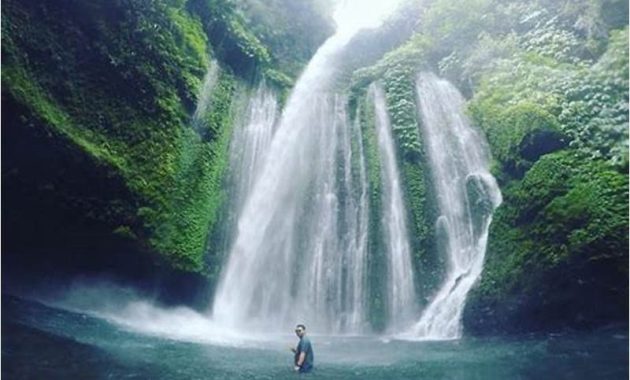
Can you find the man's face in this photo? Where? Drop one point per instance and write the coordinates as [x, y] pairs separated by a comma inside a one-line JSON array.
[[299, 331]]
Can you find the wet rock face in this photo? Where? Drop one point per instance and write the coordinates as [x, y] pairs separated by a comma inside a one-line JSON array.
[[573, 296], [56, 197], [557, 253], [540, 142], [64, 215]]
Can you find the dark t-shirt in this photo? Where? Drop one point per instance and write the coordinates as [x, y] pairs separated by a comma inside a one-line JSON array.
[[305, 346]]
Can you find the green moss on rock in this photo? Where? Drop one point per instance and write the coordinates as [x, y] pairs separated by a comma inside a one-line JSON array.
[[564, 223], [118, 81]]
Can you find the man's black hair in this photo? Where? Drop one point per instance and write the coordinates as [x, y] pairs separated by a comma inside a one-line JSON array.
[[300, 326]]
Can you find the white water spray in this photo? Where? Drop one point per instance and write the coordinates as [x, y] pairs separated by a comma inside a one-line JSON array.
[[269, 279], [251, 140], [467, 195], [204, 103], [300, 246], [401, 295]]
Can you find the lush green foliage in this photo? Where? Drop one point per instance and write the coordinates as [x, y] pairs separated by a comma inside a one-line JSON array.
[[588, 103], [199, 191], [401, 107], [545, 77], [541, 77], [293, 30], [119, 80], [232, 41], [275, 38], [537, 54], [518, 134], [565, 221]]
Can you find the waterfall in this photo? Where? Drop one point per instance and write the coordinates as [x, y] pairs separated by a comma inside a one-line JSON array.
[[334, 245], [467, 195], [357, 218], [250, 143], [205, 94], [300, 235], [401, 295]]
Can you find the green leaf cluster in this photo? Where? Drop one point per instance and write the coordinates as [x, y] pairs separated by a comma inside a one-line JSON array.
[[586, 102], [292, 30], [547, 81], [118, 80], [562, 213]]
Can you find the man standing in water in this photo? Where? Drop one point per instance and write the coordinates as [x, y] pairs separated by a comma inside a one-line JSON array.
[[303, 352]]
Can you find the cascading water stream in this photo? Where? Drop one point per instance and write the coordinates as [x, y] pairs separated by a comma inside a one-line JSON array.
[[205, 94], [401, 294], [334, 245], [300, 246], [286, 262], [467, 195], [356, 219], [251, 140]]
